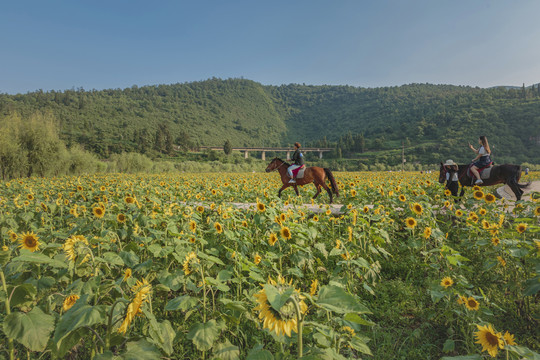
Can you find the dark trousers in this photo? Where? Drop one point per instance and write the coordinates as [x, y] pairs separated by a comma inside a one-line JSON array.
[[453, 186]]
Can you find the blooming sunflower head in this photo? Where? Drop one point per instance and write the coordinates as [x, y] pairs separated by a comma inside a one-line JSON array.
[[478, 194], [29, 241], [521, 228], [121, 218], [257, 259], [537, 211], [410, 222], [261, 207], [285, 232], [280, 320], [98, 212], [190, 258], [509, 339], [459, 213], [402, 198], [417, 208], [489, 198], [472, 304], [192, 226], [73, 247], [272, 239], [69, 302], [427, 232], [446, 282], [218, 227], [490, 340]]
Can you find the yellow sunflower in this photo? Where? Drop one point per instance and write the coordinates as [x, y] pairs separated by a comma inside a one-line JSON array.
[[489, 198], [257, 259], [283, 321], [272, 239], [447, 282], [459, 213], [129, 200], [509, 338], [495, 241], [13, 236], [141, 290], [313, 287], [490, 340], [261, 207], [501, 260], [191, 257], [402, 198], [521, 228], [447, 192], [472, 304], [200, 209], [29, 241], [69, 302], [537, 211], [417, 208], [98, 212], [285, 232], [121, 218], [192, 226], [478, 194], [127, 274], [410, 222], [218, 227], [427, 232], [72, 247], [353, 193]]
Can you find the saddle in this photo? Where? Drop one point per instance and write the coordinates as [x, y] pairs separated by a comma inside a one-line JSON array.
[[299, 173], [485, 172]]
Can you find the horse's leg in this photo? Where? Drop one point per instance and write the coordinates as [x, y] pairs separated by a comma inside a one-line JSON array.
[[515, 189], [328, 191], [296, 189], [286, 185], [318, 188]]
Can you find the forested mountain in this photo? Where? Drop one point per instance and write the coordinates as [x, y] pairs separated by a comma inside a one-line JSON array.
[[433, 121]]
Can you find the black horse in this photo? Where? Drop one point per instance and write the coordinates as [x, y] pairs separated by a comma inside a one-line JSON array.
[[500, 174]]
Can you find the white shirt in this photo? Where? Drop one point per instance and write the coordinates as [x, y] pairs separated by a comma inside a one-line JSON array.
[[454, 176], [482, 151]]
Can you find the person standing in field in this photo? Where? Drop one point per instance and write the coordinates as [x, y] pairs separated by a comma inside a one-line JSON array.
[[452, 179], [481, 160], [299, 163]]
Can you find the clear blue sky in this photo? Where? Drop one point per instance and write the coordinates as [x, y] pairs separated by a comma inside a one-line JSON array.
[[58, 45]]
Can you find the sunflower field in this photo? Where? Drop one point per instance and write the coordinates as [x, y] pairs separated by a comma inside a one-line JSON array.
[[117, 266]]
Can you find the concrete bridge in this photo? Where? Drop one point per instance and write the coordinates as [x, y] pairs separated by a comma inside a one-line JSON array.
[[263, 150]]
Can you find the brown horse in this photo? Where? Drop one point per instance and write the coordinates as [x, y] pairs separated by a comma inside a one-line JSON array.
[[312, 174], [500, 174]]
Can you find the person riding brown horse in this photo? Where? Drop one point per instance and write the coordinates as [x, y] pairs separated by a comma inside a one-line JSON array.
[[312, 174]]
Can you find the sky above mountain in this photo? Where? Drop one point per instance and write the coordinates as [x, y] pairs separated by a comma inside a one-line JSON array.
[[58, 45]]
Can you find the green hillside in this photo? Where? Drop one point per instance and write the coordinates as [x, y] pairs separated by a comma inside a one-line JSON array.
[[433, 121]]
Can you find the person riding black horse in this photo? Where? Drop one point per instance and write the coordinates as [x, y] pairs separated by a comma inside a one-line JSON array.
[[482, 160], [299, 163]]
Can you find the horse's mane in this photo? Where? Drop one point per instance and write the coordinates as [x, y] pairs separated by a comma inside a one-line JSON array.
[[286, 163]]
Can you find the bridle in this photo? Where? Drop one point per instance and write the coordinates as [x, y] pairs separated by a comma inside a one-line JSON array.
[[282, 163]]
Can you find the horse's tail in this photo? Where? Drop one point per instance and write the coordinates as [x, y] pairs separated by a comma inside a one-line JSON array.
[[333, 183]]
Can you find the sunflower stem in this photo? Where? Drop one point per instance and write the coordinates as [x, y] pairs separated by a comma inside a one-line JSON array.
[[299, 324], [8, 311]]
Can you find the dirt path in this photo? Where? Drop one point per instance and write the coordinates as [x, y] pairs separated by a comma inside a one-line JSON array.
[[507, 193], [503, 191]]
